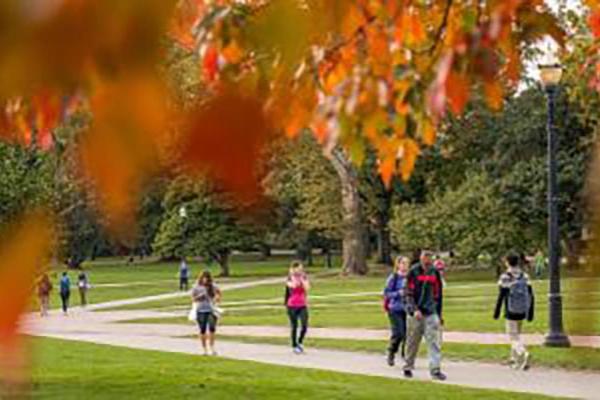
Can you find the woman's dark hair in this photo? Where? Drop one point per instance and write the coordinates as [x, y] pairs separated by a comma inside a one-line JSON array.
[[206, 280], [513, 259]]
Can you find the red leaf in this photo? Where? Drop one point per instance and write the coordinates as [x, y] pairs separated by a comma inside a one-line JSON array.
[[457, 90], [210, 63], [594, 22], [224, 138]]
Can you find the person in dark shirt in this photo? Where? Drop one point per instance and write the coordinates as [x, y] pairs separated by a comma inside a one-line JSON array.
[[515, 296], [424, 294]]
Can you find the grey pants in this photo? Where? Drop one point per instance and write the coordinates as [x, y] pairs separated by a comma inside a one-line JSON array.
[[429, 326]]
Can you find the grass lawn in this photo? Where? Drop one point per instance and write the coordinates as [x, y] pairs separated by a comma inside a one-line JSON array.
[[468, 306], [152, 278], [573, 358], [72, 370]]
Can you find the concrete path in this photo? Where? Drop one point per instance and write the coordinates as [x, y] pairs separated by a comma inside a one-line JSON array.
[[174, 295], [103, 328]]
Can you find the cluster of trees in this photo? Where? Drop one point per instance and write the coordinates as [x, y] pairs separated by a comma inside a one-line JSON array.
[[480, 189]]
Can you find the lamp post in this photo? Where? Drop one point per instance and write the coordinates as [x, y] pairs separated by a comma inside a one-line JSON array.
[[183, 215], [550, 75]]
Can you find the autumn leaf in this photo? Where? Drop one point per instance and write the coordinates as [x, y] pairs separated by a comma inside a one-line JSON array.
[[233, 53], [386, 169], [210, 63], [122, 147], [224, 138], [494, 94], [428, 131], [409, 158], [457, 90], [594, 23], [24, 250]]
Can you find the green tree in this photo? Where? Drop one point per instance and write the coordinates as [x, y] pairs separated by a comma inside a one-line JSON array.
[[212, 225], [469, 220]]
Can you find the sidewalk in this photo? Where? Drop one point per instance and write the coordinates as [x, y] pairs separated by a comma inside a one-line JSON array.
[[101, 328]]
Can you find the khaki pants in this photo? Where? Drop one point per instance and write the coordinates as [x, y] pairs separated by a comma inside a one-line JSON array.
[[429, 326], [517, 347]]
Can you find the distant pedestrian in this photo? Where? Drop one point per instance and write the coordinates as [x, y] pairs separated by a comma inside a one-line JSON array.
[[540, 264], [394, 303], [207, 295], [184, 275], [516, 297], [297, 287], [65, 291], [424, 297], [83, 285], [440, 266], [44, 287]]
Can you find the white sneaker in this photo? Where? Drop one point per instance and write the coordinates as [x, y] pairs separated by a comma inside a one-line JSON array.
[[301, 347], [524, 366], [297, 350], [205, 352], [213, 352]]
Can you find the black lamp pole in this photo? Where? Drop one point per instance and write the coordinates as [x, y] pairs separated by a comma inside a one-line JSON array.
[[556, 337]]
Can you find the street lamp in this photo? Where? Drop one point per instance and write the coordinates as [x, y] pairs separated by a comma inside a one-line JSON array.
[[183, 215], [550, 75]]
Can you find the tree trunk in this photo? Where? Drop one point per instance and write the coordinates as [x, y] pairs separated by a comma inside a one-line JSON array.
[[223, 261], [265, 251], [384, 245], [327, 251], [354, 249]]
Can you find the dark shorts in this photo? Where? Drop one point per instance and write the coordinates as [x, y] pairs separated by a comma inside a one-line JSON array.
[[206, 321]]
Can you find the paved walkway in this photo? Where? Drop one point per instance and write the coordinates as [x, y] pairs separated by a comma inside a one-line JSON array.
[[103, 328], [174, 295]]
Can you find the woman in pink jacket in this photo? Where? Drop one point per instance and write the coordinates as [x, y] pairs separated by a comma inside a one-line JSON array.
[[297, 288]]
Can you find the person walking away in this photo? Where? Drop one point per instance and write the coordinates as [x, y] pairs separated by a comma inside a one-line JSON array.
[[207, 295], [44, 288], [424, 295], [184, 275], [515, 295], [298, 286], [394, 305], [540, 264], [65, 291], [83, 285]]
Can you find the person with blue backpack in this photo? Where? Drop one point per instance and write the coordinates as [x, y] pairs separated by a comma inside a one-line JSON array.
[[394, 305], [515, 295], [65, 291]]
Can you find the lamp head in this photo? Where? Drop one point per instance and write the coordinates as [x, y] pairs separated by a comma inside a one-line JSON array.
[[182, 212], [550, 75]]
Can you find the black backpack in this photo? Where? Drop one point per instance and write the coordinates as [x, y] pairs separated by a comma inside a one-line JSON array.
[[519, 298]]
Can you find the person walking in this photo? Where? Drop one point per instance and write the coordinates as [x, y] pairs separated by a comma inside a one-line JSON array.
[[65, 291], [394, 304], [515, 295], [44, 287], [184, 275], [207, 295], [540, 264], [83, 285], [424, 295], [297, 287]]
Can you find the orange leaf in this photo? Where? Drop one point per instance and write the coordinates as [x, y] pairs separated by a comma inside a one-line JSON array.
[[24, 250], [122, 147], [594, 22], [494, 94], [233, 53], [224, 138], [428, 132], [409, 158], [457, 90], [386, 169]]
